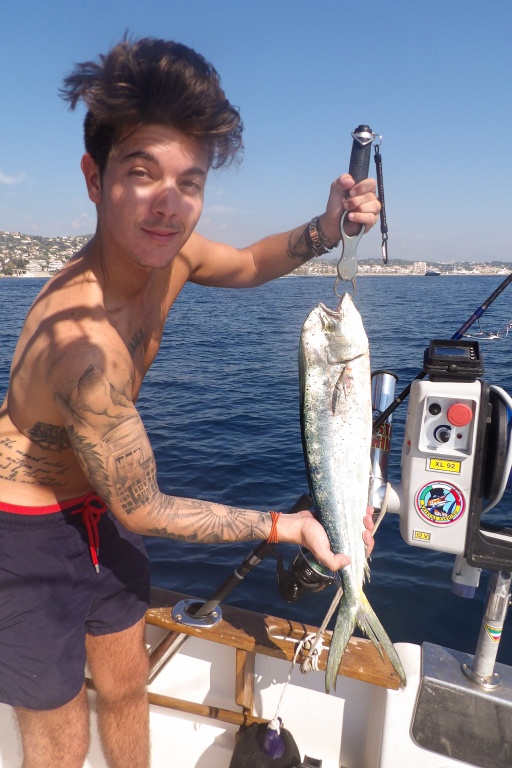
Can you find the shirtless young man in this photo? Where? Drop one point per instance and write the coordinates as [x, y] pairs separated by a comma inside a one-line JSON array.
[[71, 440]]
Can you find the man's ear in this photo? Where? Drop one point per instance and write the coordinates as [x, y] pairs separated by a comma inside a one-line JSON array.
[[92, 178]]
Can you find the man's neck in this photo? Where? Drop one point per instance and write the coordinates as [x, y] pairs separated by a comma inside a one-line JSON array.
[[121, 278]]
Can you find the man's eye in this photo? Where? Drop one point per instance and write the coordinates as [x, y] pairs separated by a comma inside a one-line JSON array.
[[140, 173], [191, 185]]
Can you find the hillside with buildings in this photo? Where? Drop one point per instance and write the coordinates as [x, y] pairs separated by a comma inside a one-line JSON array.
[[34, 256]]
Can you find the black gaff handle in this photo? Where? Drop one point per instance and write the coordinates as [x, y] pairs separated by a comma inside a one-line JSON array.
[[361, 152], [358, 169]]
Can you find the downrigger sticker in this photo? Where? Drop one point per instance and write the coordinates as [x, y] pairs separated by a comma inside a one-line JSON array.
[[440, 503]]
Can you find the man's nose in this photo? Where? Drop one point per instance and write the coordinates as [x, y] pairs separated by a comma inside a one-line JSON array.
[[166, 200]]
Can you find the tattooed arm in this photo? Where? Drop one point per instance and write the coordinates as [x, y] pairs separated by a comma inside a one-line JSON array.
[[221, 265], [114, 452]]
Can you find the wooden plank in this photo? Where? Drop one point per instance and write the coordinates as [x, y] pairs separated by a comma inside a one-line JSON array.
[[272, 636], [244, 683]]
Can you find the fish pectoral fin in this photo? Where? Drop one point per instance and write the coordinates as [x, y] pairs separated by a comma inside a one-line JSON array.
[[339, 390]]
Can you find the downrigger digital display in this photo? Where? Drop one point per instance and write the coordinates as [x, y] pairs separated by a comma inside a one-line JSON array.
[[453, 359]]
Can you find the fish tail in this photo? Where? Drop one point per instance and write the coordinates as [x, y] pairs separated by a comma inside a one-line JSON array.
[[360, 612], [368, 622], [343, 631]]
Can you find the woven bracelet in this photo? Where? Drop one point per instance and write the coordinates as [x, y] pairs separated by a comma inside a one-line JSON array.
[[272, 537]]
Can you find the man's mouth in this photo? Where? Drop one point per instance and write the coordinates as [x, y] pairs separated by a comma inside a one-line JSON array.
[[160, 234]]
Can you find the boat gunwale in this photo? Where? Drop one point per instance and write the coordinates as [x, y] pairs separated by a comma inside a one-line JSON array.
[[268, 635]]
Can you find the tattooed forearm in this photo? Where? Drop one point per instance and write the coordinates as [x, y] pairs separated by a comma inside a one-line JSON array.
[[299, 245], [122, 468], [205, 522], [113, 448]]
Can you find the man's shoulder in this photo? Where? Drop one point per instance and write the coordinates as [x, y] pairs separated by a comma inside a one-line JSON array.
[[197, 249], [102, 347], [69, 312], [217, 264], [73, 325]]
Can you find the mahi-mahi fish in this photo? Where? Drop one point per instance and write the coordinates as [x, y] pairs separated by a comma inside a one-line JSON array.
[[336, 423]]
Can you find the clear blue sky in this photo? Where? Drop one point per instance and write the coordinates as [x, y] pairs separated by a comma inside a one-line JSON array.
[[434, 78]]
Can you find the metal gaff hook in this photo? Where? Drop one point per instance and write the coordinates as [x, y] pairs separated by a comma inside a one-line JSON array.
[[362, 139], [347, 265]]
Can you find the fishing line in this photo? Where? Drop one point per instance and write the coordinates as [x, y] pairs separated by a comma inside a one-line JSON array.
[[384, 509], [312, 651], [312, 659], [379, 421]]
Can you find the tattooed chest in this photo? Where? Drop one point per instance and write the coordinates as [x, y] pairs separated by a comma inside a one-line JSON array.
[[143, 347]]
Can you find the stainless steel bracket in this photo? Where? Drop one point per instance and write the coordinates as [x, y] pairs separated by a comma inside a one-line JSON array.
[[183, 613]]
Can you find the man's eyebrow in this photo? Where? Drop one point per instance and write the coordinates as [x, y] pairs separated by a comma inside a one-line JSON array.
[[195, 171], [140, 154]]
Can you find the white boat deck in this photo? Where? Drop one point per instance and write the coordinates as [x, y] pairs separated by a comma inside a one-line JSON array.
[[362, 725]]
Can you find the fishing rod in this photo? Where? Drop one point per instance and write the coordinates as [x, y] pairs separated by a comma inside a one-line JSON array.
[[379, 421]]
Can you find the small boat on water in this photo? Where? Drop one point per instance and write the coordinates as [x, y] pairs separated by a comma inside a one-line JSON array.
[[210, 683], [216, 679], [432, 273]]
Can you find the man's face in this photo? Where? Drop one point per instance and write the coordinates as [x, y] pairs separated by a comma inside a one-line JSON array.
[[151, 195]]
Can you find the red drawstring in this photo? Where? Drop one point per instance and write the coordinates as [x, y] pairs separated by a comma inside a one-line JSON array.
[[90, 506], [91, 510]]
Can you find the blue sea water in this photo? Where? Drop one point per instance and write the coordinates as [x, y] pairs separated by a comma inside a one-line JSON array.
[[220, 405]]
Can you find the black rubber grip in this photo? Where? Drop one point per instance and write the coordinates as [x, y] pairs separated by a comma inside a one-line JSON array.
[[361, 153]]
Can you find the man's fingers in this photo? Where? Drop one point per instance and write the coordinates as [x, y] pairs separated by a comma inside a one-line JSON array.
[[339, 561]]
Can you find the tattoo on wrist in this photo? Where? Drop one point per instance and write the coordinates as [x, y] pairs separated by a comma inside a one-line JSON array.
[[323, 237], [300, 246]]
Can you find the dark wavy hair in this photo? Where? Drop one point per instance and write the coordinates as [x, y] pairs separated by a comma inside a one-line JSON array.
[[153, 81]]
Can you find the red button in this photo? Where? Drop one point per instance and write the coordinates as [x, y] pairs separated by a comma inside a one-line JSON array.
[[459, 414]]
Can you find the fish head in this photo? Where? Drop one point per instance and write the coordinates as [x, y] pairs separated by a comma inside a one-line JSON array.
[[336, 335]]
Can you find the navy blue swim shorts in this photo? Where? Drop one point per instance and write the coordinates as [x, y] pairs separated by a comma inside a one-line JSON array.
[[56, 586]]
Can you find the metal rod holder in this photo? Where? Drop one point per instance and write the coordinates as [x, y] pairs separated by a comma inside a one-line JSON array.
[[498, 599], [383, 393]]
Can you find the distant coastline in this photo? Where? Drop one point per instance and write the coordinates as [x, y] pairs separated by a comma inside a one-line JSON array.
[[404, 274], [31, 256], [361, 273], [364, 271]]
